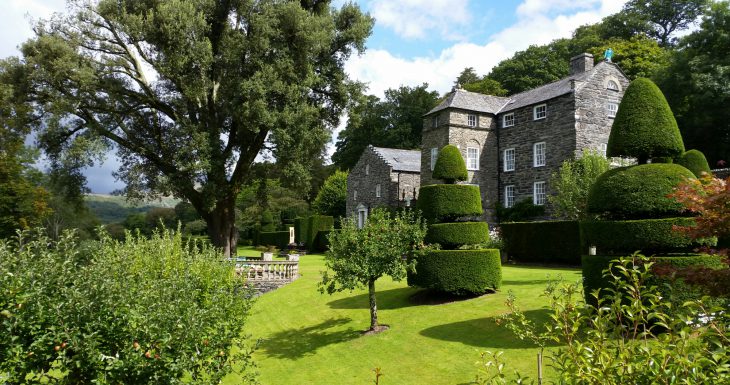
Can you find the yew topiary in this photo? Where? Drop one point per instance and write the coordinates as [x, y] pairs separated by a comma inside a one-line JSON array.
[[450, 166], [644, 126], [695, 161]]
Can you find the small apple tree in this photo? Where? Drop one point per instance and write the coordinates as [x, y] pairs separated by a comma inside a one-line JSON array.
[[357, 257]]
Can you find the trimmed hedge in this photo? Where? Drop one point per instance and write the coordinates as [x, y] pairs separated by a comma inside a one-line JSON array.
[[695, 161], [454, 234], [650, 236], [637, 192], [279, 239], [594, 265], [318, 223], [439, 202], [450, 166], [544, 242], [458, 272], [301, 230], [644, 126], [322, 242]]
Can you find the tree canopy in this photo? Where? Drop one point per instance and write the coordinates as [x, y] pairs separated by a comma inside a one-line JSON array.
[[191, 92], [332, 197]]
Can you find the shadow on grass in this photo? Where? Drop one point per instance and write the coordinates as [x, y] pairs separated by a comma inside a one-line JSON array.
[[542, 282], [485, 333], [397, 299], [296, 343]]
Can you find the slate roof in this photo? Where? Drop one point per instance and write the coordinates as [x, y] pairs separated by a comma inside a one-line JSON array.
[[495, 104], [400, 160]]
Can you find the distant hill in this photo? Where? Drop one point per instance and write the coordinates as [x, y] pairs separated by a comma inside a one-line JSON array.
[[113, 208]]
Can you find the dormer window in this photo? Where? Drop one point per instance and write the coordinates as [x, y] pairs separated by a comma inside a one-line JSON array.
[[612, 86], [471, 120]]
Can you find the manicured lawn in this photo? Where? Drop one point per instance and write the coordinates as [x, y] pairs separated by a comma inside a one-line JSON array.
[[312, 338]]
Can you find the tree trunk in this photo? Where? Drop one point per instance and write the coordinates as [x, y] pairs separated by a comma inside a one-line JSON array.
[[222, 226], [373, 305]]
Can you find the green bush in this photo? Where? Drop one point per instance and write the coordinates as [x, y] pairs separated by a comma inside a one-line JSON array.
[[521, 211], [321, 242], [651, 236], [267, 221], [301, 230], [594, 265], [142, 311], [450, 235], [543, 242], [644, 126], [695, 161], [280, 239], [637, 192], [442, 202], [318, 223], [458, 272], [450, 166]]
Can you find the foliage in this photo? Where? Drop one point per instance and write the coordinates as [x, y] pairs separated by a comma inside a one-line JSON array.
[[470, 81], [644, 126], [572, 182], [708, 199], [301, 230], [394, 122], [648, 235], [279, 239], [358, 257], [458, 272], [637, 191], [533, 67], [450, 166], [665, 17], [231, 79], [332, 197], [521, 211], [282, 202], [442, 202], [638, 57], [629, 335], [144, 311], [553, 242], [695, 84], [196, 227], [316, 224], [695, 161], [454, 234]]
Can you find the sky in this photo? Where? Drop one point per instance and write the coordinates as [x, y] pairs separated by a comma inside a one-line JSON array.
[[413, 41]]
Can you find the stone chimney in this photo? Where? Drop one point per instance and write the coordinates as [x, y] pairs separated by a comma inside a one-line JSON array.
[[581, 63]]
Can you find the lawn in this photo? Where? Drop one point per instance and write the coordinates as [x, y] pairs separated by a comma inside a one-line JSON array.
[[312, 338]]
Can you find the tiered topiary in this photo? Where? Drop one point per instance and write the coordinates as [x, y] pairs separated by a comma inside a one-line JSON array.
[[448, 209], [631, 202], [695, 161]]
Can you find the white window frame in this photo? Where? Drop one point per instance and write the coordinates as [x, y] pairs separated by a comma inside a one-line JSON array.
[[472, 158], [508, 120], [509, 157], [377, 190], [611, 109], [612, 85], [509, 196], [362, 217], [539, 154], [472, 120], [538, 193], [539, 112], [367, 169], [434, 157]]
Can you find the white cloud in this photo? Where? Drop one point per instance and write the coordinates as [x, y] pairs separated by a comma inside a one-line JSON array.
[[16, 27], [416, 18]]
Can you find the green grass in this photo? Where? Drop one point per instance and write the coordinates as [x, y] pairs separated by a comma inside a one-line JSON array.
[[312, 338]]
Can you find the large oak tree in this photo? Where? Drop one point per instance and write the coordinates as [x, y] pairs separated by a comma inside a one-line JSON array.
[[190, 92]]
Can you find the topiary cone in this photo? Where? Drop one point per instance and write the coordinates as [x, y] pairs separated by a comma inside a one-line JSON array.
[[695, 161], [450, 166], [644, 126]]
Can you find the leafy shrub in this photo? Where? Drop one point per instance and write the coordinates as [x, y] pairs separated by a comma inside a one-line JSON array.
[[644, 126], [321, 242], [543, 242], [267, 221], [695, 161], [280, 239], [650, 236], [332, 197], [449, 235], [521, 211], [441, 202], [450, 166], [196, 227], [637, 192], [145, 311], [459, 272], [572, 182]]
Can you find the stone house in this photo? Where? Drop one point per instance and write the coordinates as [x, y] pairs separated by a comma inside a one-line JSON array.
[[383, 177], [512, 145]]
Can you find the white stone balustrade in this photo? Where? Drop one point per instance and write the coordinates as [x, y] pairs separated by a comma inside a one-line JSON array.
[[281, 271]]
